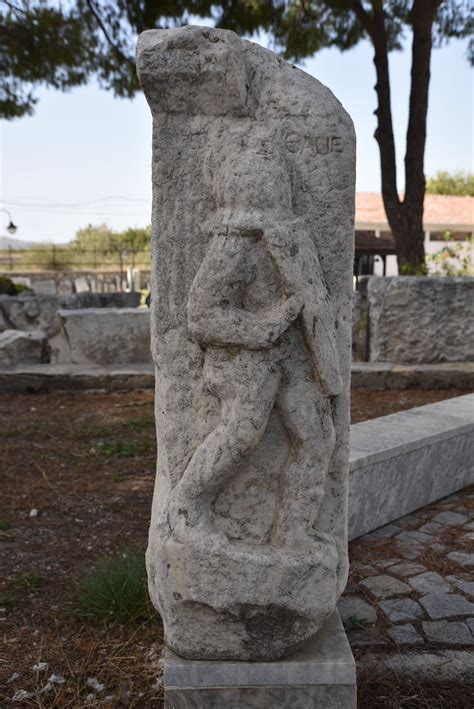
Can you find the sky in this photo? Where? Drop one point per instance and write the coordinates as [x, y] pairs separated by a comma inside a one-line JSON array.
[[84, 157]]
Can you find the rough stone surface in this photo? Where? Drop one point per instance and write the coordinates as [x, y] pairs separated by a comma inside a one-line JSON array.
[[429, 582], [399, 610], [405, 635], [462, 558], [105, 336], [18, 347], [407, 568], [446, 605], [31, 312], [353, 607], [385, 586], [420, 320], [446, 666], [450, 519], [253, 200], [463, 584], [444, 632]]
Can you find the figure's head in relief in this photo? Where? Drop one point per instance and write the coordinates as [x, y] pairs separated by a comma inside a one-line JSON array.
[[252, 192], [193, 70]]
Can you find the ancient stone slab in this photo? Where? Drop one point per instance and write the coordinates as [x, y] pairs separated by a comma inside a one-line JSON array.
[[403, 461], [420, 320], [106, 336], [445, 632], [385, 375], [446, 605], [401, 609], [405, 635], [18, 347], [355, 608], [385, 586], [253, 199], [429, 582], [322, 673]]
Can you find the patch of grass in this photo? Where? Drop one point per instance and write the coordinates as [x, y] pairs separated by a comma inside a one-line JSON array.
[[115, 590], [7, 599], [141, 422], [29, 581], [354, 623], [123, 449], [5, 525]]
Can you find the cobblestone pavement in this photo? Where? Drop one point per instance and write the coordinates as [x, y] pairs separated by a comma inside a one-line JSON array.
[[411, 586]]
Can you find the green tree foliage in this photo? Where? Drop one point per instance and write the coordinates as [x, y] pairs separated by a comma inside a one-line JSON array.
[[63, 44], [104, 240], [456, 183]]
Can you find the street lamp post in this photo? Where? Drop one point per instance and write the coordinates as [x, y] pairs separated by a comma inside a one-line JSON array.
[[11, 228]]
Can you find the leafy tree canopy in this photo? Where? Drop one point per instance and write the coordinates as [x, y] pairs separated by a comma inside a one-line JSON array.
[[456, 183], [103, 239], [61, 43]]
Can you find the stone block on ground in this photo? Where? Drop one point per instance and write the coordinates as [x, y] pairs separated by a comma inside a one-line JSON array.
[[18, 347], [405, 635], [462, 558], [399, 610], [444, 632], [446, 605], [356, 609], [107, 336], [321, 674], [420, 320], [465, 585], [429, 582], [385, 586], [407, 568], [449, 518]]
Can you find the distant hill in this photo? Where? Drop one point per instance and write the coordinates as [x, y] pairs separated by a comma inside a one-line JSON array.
[[6, 241]]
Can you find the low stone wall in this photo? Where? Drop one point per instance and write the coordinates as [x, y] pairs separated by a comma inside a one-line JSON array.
[[103, 336], [421, 320], [30, 313], [404, 461]]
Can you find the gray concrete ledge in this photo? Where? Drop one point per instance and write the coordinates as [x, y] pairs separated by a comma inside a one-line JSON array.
[[404, 461], [320, 674], [365, 375], [389, 375], [43, 378]]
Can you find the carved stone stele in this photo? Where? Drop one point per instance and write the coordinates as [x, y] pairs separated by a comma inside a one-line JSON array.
[[253, 204]]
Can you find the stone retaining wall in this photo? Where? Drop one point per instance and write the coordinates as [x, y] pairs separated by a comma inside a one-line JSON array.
[[421, 320]]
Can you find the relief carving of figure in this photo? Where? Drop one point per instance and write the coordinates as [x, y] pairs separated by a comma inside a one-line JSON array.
[[260, 310]]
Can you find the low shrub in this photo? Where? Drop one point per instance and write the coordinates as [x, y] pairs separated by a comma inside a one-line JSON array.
[[115, 590]]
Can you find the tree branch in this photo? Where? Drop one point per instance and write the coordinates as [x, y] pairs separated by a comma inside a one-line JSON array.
[[105, 32]]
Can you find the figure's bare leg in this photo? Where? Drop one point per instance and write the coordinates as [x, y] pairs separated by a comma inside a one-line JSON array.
[[247, 386], [307, 415]]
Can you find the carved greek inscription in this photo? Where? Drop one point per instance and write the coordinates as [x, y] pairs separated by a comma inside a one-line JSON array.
[[313, 145]]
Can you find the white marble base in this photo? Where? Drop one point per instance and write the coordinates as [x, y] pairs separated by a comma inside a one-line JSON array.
[[321, 674]]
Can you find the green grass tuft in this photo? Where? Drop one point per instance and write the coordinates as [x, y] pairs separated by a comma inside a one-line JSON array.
[[123, 449], [29, 581], [115, 590]]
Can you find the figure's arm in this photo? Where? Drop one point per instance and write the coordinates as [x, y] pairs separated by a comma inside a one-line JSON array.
[[211, 317], [297, 261]]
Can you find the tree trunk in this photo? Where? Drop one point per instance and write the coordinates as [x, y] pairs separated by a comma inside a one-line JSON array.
[[405, 216]]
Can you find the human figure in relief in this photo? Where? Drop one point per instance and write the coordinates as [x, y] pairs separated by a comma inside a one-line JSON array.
[[260, 308]]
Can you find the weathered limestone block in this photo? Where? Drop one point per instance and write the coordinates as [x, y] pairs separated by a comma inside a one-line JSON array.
[[105, 336], [421, 319], [18, 347], [31, 313], [253, 205]]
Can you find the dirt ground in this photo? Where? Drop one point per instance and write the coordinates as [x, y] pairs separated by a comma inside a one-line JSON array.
[[76, 475]]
